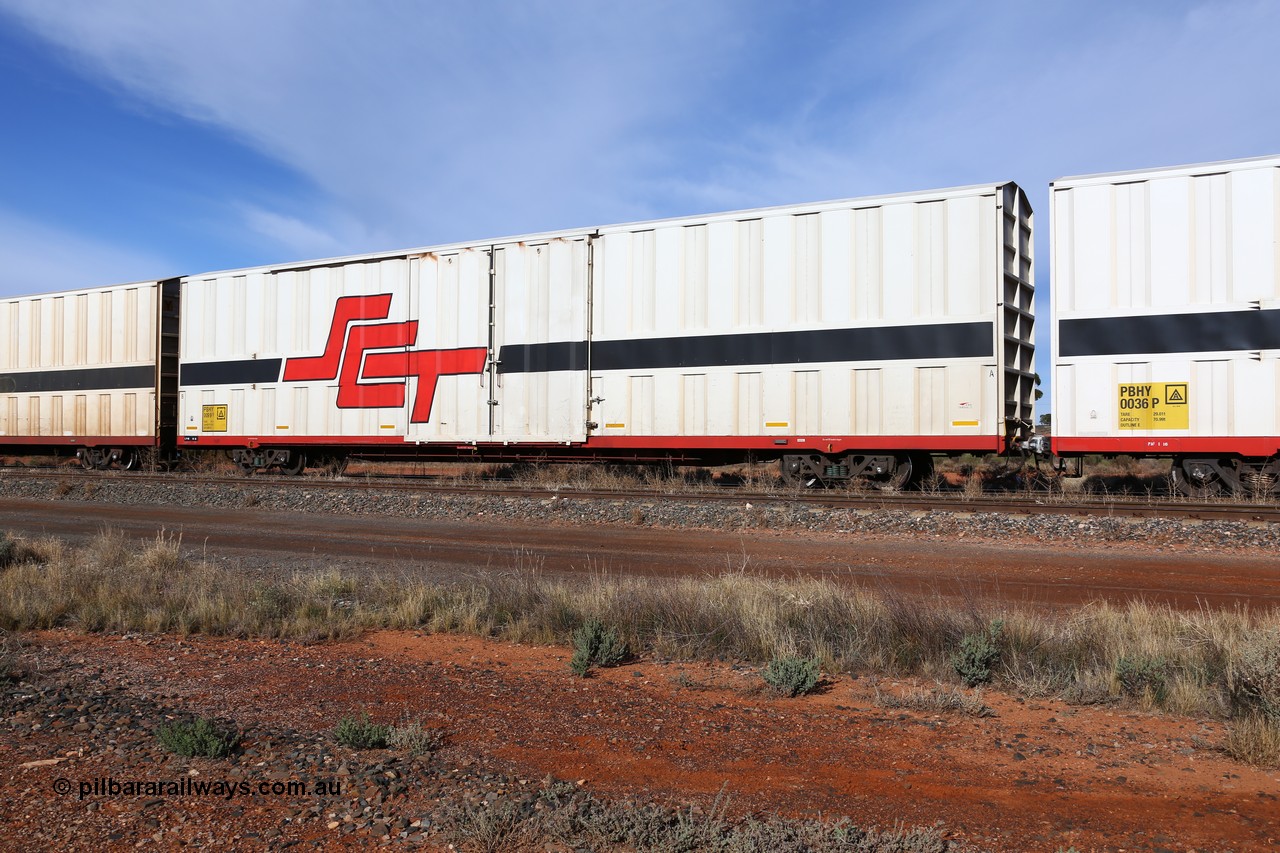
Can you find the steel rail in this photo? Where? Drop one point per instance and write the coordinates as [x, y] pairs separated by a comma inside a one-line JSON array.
[[1022, 503]]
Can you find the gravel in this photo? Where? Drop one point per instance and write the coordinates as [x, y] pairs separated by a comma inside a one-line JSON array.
[[660, 511], [369, 796]]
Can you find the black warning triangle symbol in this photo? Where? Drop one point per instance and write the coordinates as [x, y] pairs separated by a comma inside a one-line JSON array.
[[1175, 396]]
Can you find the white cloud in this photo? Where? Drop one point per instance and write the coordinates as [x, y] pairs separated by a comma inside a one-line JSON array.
[[431, 122], [297, 238], [38, 258], [951, 94], [425, 123], [421, 121]]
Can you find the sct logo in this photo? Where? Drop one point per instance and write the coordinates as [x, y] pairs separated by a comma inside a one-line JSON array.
[[380, 351]]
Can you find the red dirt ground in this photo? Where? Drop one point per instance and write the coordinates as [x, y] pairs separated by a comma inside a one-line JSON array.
[[1042, 574], [1040, 775]]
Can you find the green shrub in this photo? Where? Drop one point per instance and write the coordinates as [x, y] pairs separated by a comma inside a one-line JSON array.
[[1254, 681], [8, 550], [198, 737], [1139, 676], [978, 654], [791, 676], [413, 738], [361, 733], [10, 651], [595, 644]]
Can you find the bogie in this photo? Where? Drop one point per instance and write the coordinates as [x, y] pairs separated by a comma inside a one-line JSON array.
[[892, 471]]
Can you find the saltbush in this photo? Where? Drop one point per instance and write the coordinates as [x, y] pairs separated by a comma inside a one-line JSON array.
[[1142, 675], [10, 653], [979, 652], [199, 737], [1254, 680], [361, 733], [413, 738], [595, 644], [791, 676]]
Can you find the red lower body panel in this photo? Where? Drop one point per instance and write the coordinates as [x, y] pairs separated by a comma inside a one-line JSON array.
[[630, 446], [1256, 446]]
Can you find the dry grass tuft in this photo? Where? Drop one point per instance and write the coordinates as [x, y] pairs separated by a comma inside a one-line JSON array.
[[1254, 739], [937, 700], [1222, 662]]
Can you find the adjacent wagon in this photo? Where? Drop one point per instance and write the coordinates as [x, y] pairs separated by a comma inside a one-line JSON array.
[[1166, 320], [93, 372]]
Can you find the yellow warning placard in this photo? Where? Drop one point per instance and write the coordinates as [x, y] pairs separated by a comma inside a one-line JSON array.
[[1153, 405], [213, 418]]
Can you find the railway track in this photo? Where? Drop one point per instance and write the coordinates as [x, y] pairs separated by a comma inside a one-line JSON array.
[[1039, 550], [1029, 502]]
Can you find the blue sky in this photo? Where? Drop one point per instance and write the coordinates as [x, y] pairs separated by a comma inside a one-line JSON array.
[[146, 138]]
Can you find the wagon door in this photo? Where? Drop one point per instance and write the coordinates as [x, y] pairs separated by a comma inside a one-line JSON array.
[[539, 335], [449, 379]]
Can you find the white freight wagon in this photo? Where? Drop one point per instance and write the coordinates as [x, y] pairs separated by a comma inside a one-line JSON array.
[[1166, 319], [94, 371], [846, 338]]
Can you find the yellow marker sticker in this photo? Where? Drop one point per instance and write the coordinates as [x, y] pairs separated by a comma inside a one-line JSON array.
[[278, 426], [213, 418], [615, 426], [771, 424], [964, 423], [1153, 405], [388, 426]]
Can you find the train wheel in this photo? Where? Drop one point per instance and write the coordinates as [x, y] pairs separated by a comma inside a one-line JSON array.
[[1204, 478], [242, 460], [94, 459], [801, 471], [907, 471], [297, 462], [130, 459]]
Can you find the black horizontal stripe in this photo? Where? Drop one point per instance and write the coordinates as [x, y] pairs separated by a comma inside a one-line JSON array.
[[244, 372], [78, 379], [543, 358], [1207, 331], [882, 343]]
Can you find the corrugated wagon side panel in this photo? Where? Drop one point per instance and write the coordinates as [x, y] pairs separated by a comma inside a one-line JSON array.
[[252, 340], [799, 305]]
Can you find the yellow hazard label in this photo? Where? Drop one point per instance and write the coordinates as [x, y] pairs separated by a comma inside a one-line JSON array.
[[1153, 405], [213, 418]]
